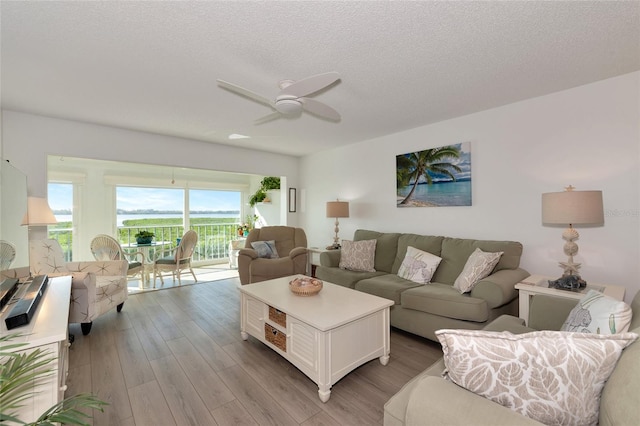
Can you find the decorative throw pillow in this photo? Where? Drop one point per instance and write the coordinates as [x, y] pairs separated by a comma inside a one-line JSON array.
[[266, 249], [553, 377], [479, 265], [358, 255], [599, 314], [418, 266]]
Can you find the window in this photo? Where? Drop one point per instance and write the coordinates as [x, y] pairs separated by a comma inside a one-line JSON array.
[[60, 197]]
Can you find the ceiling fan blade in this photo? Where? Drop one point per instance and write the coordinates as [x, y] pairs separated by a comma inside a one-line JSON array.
[[311, 84], [245, 92], [267, 118], [320, 109]]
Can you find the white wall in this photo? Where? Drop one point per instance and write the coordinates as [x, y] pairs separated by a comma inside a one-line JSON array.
[[588, 137], [28, 139]]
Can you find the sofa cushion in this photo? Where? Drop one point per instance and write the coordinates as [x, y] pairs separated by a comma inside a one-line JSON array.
[[444, 300], [426, 243], [553, 377], [418, 266], [344, 277], [619, 403], [386, 248], [478, 266], [456, 251], [388, 286], [600, 314], [358, 255]]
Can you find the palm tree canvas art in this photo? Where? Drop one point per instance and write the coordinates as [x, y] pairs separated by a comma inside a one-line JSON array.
[[435, 177]]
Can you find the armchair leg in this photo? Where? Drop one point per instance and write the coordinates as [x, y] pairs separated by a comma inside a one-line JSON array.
[[119, 307], [86, 327]]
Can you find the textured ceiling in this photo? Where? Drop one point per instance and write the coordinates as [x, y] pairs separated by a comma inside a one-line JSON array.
[[152, 66]]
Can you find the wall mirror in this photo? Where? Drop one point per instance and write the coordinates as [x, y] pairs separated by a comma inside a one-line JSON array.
[[13, 206]]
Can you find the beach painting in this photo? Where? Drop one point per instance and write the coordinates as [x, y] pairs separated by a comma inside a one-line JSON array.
[[435, 177]]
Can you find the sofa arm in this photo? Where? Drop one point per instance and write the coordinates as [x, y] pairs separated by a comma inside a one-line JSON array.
[[330, 258], [499, 287], [439, 401], [298, 251], [548, 312]]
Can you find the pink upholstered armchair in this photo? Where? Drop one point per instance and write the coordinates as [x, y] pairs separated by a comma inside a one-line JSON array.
[[291, 246]]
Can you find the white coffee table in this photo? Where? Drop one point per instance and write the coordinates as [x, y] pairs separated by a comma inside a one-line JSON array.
[[326, 335]]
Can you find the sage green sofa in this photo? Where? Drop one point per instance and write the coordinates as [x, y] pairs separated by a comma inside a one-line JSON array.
[[429, 396], [423, 309]]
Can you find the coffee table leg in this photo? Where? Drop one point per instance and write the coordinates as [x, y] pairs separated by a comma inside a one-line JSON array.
[[244, 335], [324, 394], [384, 360]]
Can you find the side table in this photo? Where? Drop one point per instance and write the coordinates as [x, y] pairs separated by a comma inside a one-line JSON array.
[[314, 260], [234, 250], [538, 284]]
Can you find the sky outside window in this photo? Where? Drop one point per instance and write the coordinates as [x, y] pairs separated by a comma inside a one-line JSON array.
[[60, 197]]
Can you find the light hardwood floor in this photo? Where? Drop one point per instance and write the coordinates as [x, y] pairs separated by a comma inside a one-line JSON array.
[[175, 357]]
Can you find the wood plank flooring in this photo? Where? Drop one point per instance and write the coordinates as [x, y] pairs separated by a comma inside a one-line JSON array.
[[175, 357]]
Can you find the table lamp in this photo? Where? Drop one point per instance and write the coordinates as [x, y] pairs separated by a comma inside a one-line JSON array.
[[38, 213], [337, 209], [572, 208]]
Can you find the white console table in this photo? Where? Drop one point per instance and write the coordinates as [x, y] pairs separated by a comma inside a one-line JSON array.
[[48, 331]]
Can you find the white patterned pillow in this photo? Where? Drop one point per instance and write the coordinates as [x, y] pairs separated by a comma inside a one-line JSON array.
[[478, 266], [599, 314], [265, 249], [418, 266], [553, 377], [358, 255]]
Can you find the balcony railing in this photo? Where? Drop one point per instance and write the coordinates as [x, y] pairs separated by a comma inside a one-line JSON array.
[[213, 239]]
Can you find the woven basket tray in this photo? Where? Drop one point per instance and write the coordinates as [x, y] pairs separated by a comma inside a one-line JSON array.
[[305, 286]]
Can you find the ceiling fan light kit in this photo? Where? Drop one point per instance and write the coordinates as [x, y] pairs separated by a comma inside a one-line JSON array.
[[292, 99], [288, 106]]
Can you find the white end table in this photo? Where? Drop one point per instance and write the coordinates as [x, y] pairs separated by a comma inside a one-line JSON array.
[[538, 284], [314, 259], [234, 250]]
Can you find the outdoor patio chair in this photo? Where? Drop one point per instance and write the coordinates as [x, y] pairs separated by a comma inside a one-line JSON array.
[[96, 286], [179, 260], [7, 254], [105, 247]]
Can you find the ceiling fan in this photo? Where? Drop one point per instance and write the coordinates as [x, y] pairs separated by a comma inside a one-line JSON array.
[[292, 99]]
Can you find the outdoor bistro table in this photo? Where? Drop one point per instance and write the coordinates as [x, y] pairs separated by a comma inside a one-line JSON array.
[[148, 261]]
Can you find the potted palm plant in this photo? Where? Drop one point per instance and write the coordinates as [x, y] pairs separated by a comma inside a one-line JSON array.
[[20, 376]]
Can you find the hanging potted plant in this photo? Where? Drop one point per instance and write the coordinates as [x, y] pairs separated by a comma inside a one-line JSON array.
[[268, 183], [258, 197]]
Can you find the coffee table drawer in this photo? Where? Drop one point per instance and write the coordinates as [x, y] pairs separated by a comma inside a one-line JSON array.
[[276, 337], [277, 317]]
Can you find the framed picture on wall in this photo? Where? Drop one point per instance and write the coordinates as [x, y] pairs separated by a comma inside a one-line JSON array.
[[292, 200], [434, 177]]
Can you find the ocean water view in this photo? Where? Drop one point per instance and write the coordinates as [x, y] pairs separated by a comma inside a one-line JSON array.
[[441, 194], [122, 217]]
